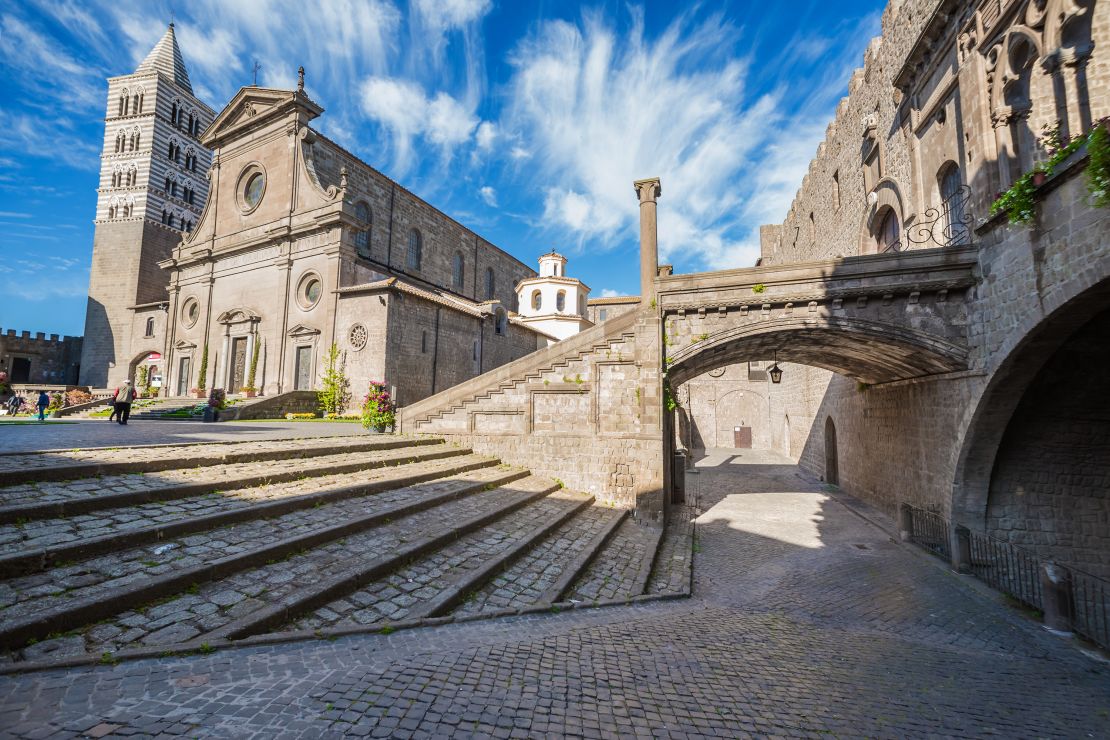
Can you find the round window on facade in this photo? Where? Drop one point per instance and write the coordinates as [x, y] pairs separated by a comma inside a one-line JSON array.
[[357, 337], [190, 312], [252, 186], [310, 290]]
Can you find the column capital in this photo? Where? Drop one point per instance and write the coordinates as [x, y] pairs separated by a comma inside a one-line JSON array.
[[648, 190]]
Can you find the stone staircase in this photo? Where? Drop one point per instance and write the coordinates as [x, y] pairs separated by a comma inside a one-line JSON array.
[[164, 408], [550, 360], [110, 553]]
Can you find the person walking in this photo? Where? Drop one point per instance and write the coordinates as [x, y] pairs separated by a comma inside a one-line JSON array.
[[124, 396], [44, 401], [15, 403], [115, 406]]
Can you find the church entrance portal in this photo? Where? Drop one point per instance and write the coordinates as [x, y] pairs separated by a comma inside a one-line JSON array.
[[238, 374], [302, 378], [183, 368]]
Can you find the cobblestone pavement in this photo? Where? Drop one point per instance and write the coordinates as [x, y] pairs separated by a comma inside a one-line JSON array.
[[806, 620], [613, 573], [87, 433], [23, 535]]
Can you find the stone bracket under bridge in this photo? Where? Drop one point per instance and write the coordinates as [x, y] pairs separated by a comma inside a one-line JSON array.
[[589, 410]]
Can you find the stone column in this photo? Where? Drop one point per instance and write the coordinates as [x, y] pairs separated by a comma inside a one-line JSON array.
[[647, 191]]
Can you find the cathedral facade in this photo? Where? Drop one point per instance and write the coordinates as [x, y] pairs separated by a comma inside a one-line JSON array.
[[294, 245]]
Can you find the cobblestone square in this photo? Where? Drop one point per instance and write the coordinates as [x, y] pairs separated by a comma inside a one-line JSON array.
[[807, 619]]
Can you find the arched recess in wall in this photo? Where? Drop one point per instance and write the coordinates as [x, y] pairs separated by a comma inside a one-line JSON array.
[[832, 455], [992, 415], [886, 201], [742, 407]]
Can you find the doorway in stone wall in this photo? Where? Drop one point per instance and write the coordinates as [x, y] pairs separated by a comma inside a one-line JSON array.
[[832, 467], [21, 370], [238, 364], [302, 371], [184, 367]]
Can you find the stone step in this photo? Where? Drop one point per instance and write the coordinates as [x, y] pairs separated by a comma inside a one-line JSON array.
[[621, 569], [232, 605], [58, 465], [89, 535], [674, 561], [41, 501], [312, 592], [432, 585], [52, 607], [560, 558]]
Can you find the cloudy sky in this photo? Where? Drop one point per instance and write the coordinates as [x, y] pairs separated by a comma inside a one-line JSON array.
[[527, 121]]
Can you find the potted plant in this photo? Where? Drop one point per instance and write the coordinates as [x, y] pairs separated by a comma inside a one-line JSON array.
[[377, 408], [217, 400], [249, 391]]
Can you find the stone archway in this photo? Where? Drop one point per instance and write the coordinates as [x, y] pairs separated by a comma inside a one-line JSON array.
[[150, 363], [1020, 395]]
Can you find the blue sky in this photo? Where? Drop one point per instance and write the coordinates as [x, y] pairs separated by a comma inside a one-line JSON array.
[[527, 121]]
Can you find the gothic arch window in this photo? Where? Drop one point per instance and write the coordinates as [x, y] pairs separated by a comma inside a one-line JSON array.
[[122, 103], [888, 235], [362, 236], [501, 320], [135, 100], [491, 283], [416, 247], [173, 112], [537, 300], [561, 301], [457, 267], [164, 215], [149, 328]]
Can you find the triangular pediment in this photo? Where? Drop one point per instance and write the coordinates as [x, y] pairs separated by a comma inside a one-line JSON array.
[[184, 344], [302, 330], [254, 106], [237, 315]]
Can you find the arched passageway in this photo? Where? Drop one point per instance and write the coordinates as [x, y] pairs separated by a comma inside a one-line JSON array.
[[1035, 463], [1048, 489]]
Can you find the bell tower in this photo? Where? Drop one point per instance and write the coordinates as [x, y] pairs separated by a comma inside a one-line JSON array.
[[153, 183]]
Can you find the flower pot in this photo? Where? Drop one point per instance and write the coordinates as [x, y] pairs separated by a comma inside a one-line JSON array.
[[379, 428], [1039, 178], [200, 393], [249, 394]]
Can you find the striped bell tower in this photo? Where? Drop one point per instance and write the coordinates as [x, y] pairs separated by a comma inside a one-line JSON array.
[[153, 184]]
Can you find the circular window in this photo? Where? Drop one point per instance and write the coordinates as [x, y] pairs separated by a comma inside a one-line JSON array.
[[251, 188], [190, 312], [253, 193], [310, 290], [357, 337]]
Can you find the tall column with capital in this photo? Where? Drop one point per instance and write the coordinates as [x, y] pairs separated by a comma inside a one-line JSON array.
[[647, 191]]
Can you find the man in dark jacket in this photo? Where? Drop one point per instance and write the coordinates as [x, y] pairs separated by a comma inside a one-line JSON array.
[[122, 402]]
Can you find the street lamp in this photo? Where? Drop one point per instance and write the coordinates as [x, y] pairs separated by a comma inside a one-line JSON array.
[[775, 372]]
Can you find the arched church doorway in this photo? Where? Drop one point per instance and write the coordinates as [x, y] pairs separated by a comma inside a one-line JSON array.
[[145, 373], [832, 466]]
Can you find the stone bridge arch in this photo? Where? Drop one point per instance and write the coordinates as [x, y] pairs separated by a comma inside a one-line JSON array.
[[875, 318], [866, 350]]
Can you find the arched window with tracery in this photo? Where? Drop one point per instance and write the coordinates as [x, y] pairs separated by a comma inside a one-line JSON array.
[[362, 236], [457, 268], [491, 283], [888, 236], [416, 247]]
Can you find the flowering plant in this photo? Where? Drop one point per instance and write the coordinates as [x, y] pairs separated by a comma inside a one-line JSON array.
[[377, 407], [217, 398]]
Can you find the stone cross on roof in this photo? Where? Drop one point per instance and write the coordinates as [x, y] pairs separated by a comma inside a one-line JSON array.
[[165, 57]]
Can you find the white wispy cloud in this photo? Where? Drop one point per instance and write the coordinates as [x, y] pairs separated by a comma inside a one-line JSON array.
[[601, 109], [15, 214], [488, 195], [404, 109], [609, 293]]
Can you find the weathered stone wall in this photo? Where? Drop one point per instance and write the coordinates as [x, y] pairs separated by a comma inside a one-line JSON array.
[[1050, 491], [586, 410], [603, 309], [924, 105], [53, 360]]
